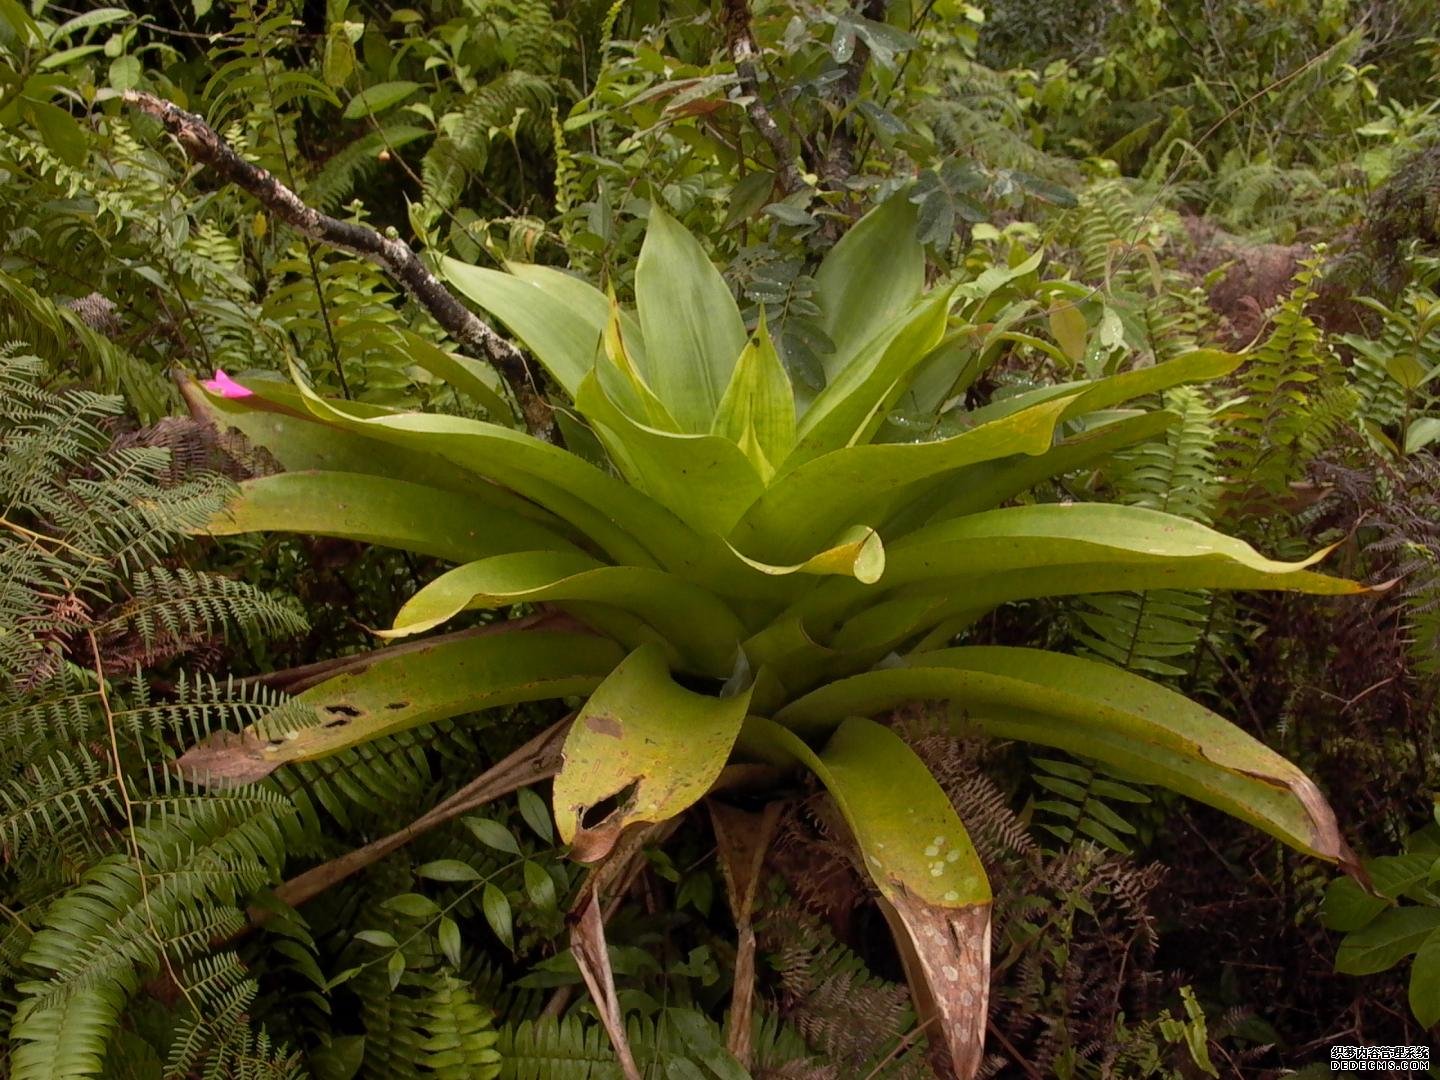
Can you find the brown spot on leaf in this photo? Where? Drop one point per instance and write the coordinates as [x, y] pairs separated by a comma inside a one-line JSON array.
[[226, 759], [604, 724]]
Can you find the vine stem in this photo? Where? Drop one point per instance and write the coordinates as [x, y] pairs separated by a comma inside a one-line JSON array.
[[132, 841], [206, 147], [744, 53]]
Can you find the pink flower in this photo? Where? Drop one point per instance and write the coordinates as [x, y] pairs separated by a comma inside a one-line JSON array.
[[225, 386]]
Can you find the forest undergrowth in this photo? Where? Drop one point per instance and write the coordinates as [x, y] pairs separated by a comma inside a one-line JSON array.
[[234, 233]]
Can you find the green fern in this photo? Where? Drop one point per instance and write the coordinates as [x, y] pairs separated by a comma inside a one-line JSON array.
[[1155, 632], [1077, 804], [1294, 399], [117, 870], [463, 148]]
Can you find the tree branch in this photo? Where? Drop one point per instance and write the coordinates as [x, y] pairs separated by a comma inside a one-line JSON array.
[[206, 147], [743, 51], [840, 156]]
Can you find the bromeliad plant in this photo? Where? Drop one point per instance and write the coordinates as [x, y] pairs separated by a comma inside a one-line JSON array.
[[750, 571]]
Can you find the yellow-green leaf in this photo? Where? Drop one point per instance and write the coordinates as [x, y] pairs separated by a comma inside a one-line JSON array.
[[403, 688], [919, 855], [381, 510], [757, 411], [645, 741], [701, 627], [811, 503], [853, 405], [1102, 712], [705, 480], [1083, 535], [1068, 327], [691, 325]]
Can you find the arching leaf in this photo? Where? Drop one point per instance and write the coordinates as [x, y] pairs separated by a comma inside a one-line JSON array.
[[919, 855], [1098, 711], [702, 628], [645, 741], [690, 323], [381, 510], [413, 687], [1101, 535], [611, 513]]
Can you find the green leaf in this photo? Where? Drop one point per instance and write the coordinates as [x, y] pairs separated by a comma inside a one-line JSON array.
[[610, 512], [450, 943], [395, 968], [559, 317], [338, 62], [868, 279], [59, 130], [1201, 365], [412, 906], [379, 938], [539, 886], [757, 411], [404, 687], [861, 395], [98, 17], [646, 742], [467, 376], [384, 511], [858, 553], [690, 322], [1097, 711], [1386, 940], [1395, 875], [1425, 981], [277, 419], [920, 857], [448, 870], [496, 906], [813, 502], [1069, 328], [706, 480], [1421, 433], [749, 194], [378, 98], [910, 837], [702, 1040], [984, 486], [126, 72], [1102, 536], [493, 834], [701, 627], [621, 378], [536, 815]]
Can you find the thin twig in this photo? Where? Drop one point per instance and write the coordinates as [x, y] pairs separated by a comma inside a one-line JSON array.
[[744, 52], [130, 835], [537, 760], [205, 146]]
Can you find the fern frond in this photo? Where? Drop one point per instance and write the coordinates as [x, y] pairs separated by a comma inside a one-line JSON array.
[[1151, 632], [172, 610], [61, 333]]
